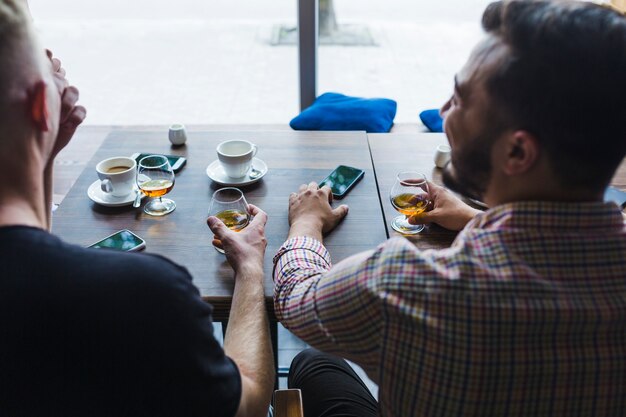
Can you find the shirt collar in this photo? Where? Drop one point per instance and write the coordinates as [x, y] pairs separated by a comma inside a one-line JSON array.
[[552, 215]]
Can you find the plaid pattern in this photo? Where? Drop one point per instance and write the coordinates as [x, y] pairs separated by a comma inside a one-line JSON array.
[[524, 315]]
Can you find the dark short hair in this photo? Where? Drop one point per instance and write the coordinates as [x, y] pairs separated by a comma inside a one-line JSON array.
[[564, 80]]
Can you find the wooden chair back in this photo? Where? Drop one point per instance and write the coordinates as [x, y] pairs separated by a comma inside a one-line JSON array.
[[288, 403]]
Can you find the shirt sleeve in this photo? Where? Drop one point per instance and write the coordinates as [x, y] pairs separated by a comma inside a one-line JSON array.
[[337, 309]]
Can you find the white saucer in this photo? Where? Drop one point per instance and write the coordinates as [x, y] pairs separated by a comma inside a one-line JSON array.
[[96, 195], [215, 171]]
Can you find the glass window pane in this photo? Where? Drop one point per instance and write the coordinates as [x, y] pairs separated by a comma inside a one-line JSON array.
[[419, 46], [186, 61]]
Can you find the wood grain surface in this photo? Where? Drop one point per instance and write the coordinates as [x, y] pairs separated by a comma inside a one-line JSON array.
[[293, 158]]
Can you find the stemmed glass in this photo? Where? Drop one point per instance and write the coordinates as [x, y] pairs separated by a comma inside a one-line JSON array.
[[230, 206], [410, 196], [155, 178]]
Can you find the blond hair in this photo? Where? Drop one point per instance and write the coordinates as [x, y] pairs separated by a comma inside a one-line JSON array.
[[19, 60], [15, 24], [22, 63]]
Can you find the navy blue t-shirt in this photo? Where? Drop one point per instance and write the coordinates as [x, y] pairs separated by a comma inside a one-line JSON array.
[[95, 332]]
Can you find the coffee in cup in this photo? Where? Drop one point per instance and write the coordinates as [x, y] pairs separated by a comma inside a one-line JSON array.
[[236, 157], [117, 175], [117, 169]]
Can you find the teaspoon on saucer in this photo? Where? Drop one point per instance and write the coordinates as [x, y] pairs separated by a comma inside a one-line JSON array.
[[254, 173], [137, 201]]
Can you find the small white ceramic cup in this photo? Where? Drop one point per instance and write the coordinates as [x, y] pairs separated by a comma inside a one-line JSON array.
[[117, 175], [442, 155], [236, 157], [177, 134]]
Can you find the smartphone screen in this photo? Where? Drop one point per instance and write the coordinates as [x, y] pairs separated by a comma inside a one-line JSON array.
[[615, 195], [342, 179], [124, 240], [176, 162]]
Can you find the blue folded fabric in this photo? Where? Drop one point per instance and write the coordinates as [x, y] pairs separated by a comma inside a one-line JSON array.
[[332, 111], [432, 120]]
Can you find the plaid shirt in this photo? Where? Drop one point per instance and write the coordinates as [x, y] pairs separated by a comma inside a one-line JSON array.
[[524, 315]]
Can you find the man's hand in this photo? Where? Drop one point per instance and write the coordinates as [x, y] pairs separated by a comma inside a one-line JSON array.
[[310, 213], [71, 114], [245, 248], [448, 211]]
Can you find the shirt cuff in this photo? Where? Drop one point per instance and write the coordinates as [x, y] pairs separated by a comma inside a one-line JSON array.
[[308, 247]]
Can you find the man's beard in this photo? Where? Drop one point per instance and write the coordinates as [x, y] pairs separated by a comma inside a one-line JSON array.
[[469, 170]]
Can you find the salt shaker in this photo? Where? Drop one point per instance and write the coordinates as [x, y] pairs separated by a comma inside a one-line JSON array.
[[177, 134], [442, 155]]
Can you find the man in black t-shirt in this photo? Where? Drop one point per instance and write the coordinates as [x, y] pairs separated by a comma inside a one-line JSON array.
[[94, 332]]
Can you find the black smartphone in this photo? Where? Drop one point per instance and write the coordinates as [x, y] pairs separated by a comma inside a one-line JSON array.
[[342, 179], [124, 240], [176, 162]]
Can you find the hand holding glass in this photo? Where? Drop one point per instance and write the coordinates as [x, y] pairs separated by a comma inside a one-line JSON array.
[[410, 196], [230, 206], [155, 178]]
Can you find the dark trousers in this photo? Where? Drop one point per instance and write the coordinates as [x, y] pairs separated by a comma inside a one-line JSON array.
[[330, 388]]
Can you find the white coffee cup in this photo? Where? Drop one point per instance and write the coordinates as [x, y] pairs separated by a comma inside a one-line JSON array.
[[236, 157], [442, 155], [117, 175], [177, 134]]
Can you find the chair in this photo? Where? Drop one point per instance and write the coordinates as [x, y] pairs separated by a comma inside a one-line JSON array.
[[288, 403]]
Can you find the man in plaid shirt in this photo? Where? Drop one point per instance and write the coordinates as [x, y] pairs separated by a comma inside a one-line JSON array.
[[525, 315]]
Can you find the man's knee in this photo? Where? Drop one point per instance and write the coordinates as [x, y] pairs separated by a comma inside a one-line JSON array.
[[312, 361], [305, 360]]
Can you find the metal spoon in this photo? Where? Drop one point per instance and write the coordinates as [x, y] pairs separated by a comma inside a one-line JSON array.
[[137, 201], [254, 173]]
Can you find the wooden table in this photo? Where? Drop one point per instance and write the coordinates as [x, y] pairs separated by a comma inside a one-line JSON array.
[[293, 158]]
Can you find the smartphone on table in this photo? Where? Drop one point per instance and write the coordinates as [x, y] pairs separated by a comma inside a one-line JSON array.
[[176, 162], [342, 180], [124, 240]]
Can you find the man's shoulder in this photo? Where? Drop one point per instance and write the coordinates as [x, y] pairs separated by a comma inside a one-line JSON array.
[[149, 273], [36, 252], [403, 261]]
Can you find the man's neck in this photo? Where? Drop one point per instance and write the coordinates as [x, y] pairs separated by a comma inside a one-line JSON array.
[[544, 189], [20, 213], [22, 193]]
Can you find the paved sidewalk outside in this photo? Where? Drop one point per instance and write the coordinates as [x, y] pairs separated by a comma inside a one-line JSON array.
[[145, 62]]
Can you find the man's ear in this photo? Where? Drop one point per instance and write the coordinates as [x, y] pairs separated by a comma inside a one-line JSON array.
[[521, 150], [38, 106]]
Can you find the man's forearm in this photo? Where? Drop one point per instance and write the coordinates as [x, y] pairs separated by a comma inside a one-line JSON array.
[[328, 307], [306, 229], [248, 343]]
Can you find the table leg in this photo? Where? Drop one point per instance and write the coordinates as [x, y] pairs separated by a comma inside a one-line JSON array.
[[224, 326], [274, 337]]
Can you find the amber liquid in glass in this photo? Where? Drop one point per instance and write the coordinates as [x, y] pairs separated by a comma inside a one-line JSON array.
[[233, 219], [156, 188], [410, 204]]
